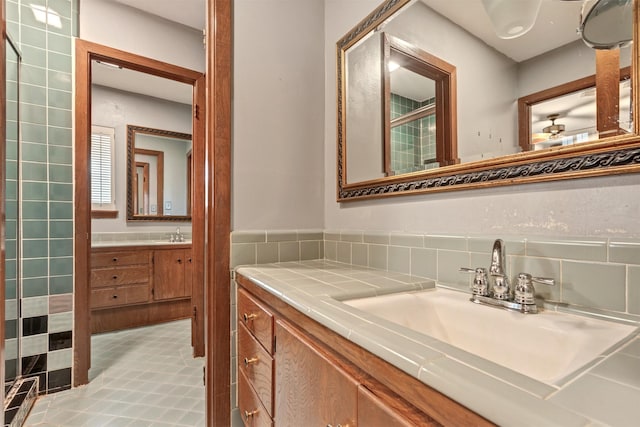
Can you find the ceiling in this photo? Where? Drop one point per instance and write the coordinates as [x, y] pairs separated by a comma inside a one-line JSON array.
[[555, 25], [185, 12]]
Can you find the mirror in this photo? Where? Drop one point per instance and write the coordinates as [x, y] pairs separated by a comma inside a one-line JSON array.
[[491, 75], [159, 179]]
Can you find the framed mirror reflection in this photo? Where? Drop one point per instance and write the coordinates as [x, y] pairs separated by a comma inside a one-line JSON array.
[[493, 68], [159, 173]]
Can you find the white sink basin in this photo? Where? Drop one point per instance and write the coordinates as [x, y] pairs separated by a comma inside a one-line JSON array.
[[546, 346]]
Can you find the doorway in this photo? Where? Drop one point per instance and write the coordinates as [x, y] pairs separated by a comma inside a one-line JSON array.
[[86, 55]]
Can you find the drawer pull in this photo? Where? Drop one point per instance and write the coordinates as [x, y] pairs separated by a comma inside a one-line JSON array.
[[248, 414], [248, 361], [115, 297], [115, 277], [179, 260], [249, 316], [115, 259]]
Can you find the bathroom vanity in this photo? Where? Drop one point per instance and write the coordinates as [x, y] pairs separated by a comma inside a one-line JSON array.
[[139, 284], [292, 370], [304, 354]]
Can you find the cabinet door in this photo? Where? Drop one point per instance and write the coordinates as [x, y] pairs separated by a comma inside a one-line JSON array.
[[168, 274], [310, 389], [373, 412]]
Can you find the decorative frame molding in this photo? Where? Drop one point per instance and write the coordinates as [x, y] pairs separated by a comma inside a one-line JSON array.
[[609, 156], [132, 130]]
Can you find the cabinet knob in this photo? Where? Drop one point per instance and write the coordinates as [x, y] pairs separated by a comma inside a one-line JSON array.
[[115, 259], [179, 260], [248, 361], [249, 316], [250, 414], [115, 297], [115, 277]]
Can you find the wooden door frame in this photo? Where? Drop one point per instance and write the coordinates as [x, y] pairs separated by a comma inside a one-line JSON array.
[[145, 187], [219, 47], [159, 155], [86, 52]]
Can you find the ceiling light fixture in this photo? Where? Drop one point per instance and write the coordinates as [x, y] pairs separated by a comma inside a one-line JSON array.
[[553, 128], [46, 15], [392, 65], [512, 18]]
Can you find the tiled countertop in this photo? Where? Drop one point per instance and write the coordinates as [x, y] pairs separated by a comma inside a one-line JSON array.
[[608, 392], [109, 244]]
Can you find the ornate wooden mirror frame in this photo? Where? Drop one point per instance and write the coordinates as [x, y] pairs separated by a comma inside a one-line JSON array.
[[617, 154]]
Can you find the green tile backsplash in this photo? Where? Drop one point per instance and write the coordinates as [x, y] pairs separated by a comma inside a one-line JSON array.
[[602, 274]]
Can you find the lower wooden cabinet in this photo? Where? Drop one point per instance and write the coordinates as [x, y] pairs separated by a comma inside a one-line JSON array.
[[293, 371], [172, 271], [138, 286], [309, 389]]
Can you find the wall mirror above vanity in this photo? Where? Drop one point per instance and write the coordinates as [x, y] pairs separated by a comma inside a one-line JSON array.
[[434, 96], [158, 173]]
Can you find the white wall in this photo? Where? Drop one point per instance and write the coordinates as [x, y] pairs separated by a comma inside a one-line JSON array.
[[278, 101], [608, 206], [122, 27], [117, 109]]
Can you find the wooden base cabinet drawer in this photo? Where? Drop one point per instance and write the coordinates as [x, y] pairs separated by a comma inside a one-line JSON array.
[[257, 319], [117, 296], [252, 412], [119, 276], [116, 259], [257, 366]]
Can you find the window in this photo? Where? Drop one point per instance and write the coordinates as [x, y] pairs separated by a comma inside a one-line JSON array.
[[102, 169]]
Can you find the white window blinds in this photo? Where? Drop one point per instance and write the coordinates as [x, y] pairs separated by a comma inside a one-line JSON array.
[[102, 168]]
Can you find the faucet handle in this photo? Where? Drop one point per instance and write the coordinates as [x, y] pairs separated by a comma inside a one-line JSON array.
[[480, 281], [524, 292], [544, 280]]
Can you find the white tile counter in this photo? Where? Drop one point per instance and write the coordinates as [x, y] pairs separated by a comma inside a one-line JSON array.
[[606, 392]]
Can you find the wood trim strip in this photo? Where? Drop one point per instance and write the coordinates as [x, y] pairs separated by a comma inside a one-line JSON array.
[[218, 219], [82, 211], [97, 214]]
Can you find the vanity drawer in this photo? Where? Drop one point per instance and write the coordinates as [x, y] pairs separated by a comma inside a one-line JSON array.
[[251, 410], [257, 366], [257, 319], [117, 296], [119, 276], [115, 259]]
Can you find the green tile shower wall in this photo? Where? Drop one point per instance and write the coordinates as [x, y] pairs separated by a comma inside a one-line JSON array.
[[46, 168], [414, 142]]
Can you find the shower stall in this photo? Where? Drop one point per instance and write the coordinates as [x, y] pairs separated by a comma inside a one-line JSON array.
[[19, 394]]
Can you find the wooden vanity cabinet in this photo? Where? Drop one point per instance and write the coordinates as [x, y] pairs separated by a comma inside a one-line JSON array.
[[139, 285], [172, 271], [310, 388], [120, 278], [318, 378]]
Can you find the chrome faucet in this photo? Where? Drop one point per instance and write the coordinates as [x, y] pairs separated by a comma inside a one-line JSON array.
[[494, 289], [498, 279]]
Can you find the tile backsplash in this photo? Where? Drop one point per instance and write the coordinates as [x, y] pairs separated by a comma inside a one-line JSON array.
[[597, 273]]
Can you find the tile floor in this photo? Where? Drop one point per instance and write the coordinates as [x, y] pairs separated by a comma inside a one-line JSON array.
[[142, 377]]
